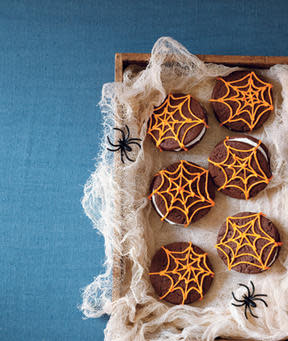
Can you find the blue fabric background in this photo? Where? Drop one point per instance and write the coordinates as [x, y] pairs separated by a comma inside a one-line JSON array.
[[54, 57]]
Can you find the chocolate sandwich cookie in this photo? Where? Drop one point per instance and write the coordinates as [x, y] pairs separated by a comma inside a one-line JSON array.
[[240, 166], [242, 101], [248, 242], [181, 273], [178, 123], [182, 193]]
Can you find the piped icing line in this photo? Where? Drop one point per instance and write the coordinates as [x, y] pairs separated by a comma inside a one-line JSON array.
[[239, 165], [159, 212], [275, 256], [239, 236], [247, 96], [197, 139], [251, 143], [184, 187], [165, 122], [188, 268]]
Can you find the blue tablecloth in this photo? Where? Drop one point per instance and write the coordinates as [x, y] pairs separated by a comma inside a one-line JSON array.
[[54, 58]]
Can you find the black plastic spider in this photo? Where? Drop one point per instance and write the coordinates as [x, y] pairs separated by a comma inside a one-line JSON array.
[[123, 144], [249, 300]]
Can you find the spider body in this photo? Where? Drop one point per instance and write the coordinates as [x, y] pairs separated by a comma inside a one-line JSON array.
[[248, 300], [123, 144]]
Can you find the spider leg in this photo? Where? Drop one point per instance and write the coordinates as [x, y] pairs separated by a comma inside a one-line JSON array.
[[127, 156], [251, 312], [129, 142], [245, 312], [134, 139], [258, 295], [128, 131], [114, 150], [260, 299], [122, 156], [245, 286], [236, 298], [112, 144], [253, 288], [238, 305], [122, 132]]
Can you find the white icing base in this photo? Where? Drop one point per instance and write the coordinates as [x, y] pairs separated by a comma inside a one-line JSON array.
[[197, 138], [251, 143]]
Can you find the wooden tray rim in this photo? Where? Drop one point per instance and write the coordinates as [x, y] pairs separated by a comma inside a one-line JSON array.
[[122, 60]]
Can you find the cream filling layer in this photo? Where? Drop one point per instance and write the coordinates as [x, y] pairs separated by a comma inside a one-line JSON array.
[[158, 211], [273, 260], [251, 143], [197, 138]]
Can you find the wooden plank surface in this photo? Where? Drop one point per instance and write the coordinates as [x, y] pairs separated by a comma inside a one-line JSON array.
[[122, 60]]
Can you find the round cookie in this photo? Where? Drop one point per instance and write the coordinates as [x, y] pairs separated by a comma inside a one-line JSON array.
[[181, 273], [240, 166], [182, 193], [178, 123], [248, 242], [242, 101]]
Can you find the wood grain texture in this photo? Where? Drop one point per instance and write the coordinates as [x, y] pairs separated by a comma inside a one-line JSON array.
[[122, 60]]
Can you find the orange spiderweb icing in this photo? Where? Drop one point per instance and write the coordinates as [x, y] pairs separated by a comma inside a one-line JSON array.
[[180, 190], [250, 99], [246, 236], [168, 121], [186, 271], [235, 167]]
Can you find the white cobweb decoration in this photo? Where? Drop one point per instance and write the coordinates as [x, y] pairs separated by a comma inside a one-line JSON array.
[[115, 199]]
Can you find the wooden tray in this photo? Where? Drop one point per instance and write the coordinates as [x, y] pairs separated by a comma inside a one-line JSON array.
[[123, 60]]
